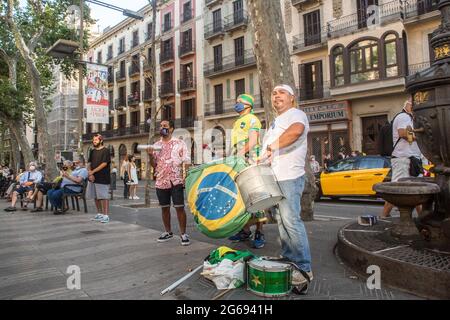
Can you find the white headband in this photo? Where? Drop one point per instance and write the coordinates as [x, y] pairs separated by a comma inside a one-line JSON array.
[[285, 87]]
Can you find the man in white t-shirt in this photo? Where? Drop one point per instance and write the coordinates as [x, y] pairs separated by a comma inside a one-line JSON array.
[[403, 149], [285, 147]]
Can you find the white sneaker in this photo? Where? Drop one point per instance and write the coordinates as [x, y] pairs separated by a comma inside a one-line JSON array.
[[136, 198], [131, 198], [185, 240], [98, 217]]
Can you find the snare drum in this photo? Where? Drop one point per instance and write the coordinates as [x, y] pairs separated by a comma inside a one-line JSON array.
[[269, 278], [259, 188]]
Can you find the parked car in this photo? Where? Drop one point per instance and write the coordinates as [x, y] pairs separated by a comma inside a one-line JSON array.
[[355, 177]]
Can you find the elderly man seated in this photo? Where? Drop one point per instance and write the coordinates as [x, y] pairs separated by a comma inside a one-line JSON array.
[[70, 182], [27, 182]]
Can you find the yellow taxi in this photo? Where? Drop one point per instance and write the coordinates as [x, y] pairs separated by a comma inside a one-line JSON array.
[[356, 176]]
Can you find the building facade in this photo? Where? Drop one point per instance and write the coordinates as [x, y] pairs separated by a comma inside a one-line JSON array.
[[229, 68], [126, 50], [350, 59]]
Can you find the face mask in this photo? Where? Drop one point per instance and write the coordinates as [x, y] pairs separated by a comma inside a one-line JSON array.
[[239, 107], [164, 132], [32, 168]]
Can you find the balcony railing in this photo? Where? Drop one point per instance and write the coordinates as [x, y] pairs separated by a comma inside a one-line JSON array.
[[214, 29], [110, 78], [185, 49], [166, 56], [119, 104], [134, 99], [186, 16], [230, 63], [134, 69], [227, 106], [414, 68], [303, 41], [318, 92], [167, 27], [187, 84], [120, 75], [415, 8], [147, 66], [166, 89], [211, 2], [186, 122], [387, 12], [235, 20]]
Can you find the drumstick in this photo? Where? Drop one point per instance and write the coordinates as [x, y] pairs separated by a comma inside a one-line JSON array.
[[224, 292]]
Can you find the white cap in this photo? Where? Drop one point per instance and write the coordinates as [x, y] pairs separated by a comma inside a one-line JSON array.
[[285, 87]]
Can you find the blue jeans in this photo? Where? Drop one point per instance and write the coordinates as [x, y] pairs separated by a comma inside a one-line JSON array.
[[55, 197], [294, 239]]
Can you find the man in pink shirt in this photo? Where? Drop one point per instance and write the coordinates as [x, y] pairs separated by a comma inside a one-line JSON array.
[[168, 165]]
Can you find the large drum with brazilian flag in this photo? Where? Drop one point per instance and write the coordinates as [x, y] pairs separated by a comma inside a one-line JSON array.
[[214, 198]]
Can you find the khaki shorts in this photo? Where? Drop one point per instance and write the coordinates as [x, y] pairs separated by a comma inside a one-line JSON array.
[[97, 191], [400, 168]]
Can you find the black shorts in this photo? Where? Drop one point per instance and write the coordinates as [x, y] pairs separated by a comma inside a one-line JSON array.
[[176, 193], [22, 190]]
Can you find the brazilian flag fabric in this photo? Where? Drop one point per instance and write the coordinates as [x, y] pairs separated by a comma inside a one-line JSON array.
[[214, 197]]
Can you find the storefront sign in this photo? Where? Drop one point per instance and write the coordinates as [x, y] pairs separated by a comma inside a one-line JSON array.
[[333, 111]]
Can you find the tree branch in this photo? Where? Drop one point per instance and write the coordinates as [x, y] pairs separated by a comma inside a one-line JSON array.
[[35, 39]]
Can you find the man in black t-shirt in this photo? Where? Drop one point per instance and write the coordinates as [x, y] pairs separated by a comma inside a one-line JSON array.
[[99, 162]]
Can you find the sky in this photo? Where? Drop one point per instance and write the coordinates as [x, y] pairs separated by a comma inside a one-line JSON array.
[[108, 17]]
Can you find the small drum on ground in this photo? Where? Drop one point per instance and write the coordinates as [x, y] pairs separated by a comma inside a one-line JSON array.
[[269, 278], [259, 188]]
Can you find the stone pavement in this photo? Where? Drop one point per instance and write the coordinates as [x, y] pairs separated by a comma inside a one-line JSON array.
[[122, 260]]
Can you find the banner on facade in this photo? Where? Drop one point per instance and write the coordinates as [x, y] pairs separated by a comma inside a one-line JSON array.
[[96, 94]]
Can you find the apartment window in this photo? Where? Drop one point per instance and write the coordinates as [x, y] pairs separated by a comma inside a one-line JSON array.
[[88, 127], [239, 50], [168, 112], [238, 11], [167, 47], [135, 38], [432, 54], [111, 99], [99, 57], [311, 81], [122, 119], [239, 87], [167, 21], [187, 11], [187, 39], [218, 99], [122, 96], [135, 118], [338, 65], [110, 52], [217, 57], [362, 6], [217, 20], [149, 31], [121, 45], [186, 71], [187, 109], [122, 68], [390, 51], [311, 22]]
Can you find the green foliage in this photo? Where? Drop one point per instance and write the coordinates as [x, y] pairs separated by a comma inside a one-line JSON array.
[[48, 17]]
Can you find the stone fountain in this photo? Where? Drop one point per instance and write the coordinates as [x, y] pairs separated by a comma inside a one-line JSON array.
[[414, 254]]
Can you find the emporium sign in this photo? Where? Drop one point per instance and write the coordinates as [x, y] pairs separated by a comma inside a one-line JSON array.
[[332, 111]]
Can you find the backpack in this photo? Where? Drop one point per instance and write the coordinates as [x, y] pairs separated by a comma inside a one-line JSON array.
[[385, 138]]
